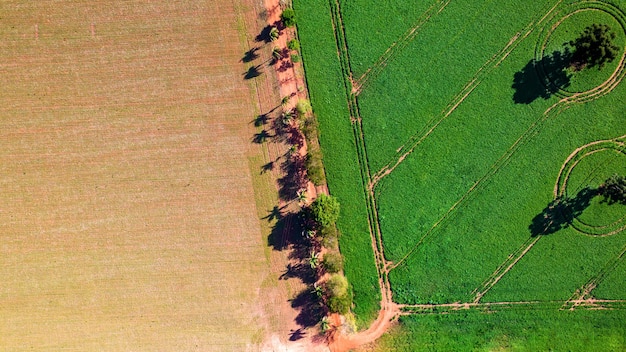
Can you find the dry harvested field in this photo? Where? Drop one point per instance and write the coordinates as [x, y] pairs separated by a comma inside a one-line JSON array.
[[128, 210]]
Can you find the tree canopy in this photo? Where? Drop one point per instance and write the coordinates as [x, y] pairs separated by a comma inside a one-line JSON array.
[[594, 47], [288, 17], [614, 189], [325, 210]]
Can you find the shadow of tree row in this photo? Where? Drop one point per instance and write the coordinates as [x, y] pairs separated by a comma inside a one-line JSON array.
[[289, 233]]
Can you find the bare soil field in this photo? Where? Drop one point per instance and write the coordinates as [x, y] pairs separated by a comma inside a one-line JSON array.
[[129, 217]]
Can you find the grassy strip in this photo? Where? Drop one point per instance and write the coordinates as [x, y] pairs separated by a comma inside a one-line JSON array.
[[510, 330], [328, 98]]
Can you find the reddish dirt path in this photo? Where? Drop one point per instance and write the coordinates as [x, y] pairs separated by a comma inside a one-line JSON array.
[[386, 318]]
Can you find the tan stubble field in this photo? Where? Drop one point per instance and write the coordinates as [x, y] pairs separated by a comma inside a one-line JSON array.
[[128, 211]]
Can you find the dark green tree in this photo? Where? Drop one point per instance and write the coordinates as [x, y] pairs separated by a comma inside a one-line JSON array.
[[325, 210], [288, 17], [594, 47], [614, 189]]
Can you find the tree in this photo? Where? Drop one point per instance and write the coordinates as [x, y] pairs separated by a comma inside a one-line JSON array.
[[288, 17], [324, 325], [274, 33], [325, 210], [614, 189], [314, 260], [277, 53], [594, 47]]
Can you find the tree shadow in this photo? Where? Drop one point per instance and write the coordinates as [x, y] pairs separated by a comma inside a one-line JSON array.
[[561, 212], [311, 308], [261, 137], [267, 167], [294, 179], [261, 120], [284, 66], [252, 72], [302, 271], [264, 35], [250, 55], [286, 230], [543, 78], [295, 335]]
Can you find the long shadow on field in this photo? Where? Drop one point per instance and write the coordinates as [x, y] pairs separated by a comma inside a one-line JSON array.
[[543, 78], [561, 212], [288, 233]]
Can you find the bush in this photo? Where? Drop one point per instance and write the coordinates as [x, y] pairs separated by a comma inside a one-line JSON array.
[[332, 262], [337, 285], [295, 58], [314, 168], [293, 44], [325, 210], [338, 294], [303, 106], [329, 236], [309, 128], [288, 17]]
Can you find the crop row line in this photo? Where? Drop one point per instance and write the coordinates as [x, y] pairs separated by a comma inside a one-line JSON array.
[[480, 184], [504, 268], [496, 306], [415, 140], [373, 71], [584, 292], [355, 118]]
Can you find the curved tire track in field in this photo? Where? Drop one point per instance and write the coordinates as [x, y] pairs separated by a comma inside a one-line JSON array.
[[408, 36], [554, 110], [416, 139], [560, 187]]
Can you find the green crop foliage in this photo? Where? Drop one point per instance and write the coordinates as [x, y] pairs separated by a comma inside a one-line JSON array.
[[473, 118], [328, 99]]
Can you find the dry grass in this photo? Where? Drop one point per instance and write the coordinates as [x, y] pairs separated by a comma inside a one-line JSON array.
[[127, 201]]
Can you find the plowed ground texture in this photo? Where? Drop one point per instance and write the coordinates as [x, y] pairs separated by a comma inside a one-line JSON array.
[[128, 213]]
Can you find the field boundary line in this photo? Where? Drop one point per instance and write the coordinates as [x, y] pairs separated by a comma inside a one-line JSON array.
[[373, 71], [492, 63]]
